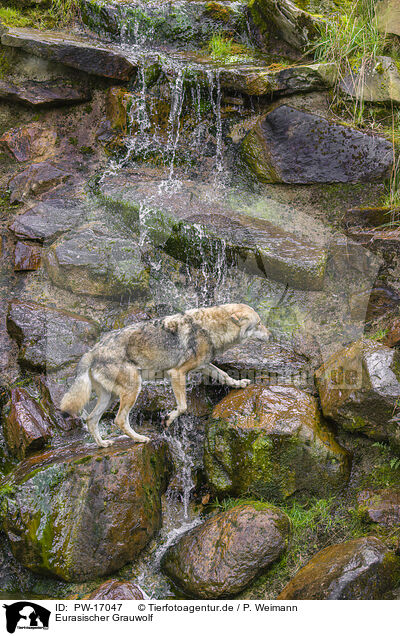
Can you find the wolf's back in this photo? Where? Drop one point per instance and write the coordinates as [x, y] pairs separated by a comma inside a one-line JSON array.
[[79, 393]]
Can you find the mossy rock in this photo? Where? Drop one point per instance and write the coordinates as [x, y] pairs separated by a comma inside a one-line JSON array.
[[223, 555], [271, 442], [83, 512]]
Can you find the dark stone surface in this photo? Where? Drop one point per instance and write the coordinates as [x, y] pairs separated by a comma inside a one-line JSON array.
[[75, 51], [79, 513], [27, 427], [361, 569], [48, 338], [43, 93], [292, 146], [223, 555]]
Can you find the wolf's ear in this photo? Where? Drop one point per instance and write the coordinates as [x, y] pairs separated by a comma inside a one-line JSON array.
[[237, 319]]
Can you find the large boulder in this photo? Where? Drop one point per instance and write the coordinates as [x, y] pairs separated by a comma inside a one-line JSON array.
[[271, 442], [253, 536], [360, 569], [98, 261], [27, 426], [326, 151], [283, 20], [72, 50], [82, 512], [48, 338], [359, 388]]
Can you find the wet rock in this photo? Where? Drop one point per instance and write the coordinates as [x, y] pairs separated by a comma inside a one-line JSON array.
[[31, 142], [253, 80], [48, 219], [359, 388], [118, 590], [48, 338], [283, 20], [388, 16], [27, 427], [370, 216], [261, 361], [98, 261], [381, 506], [361, 569], [37, 178], [327, 152], [26, 257], [186, 25], [71, 50], [118, 104], [271, 442], [83, 512], [43, 93], [375, 81], [253, 244], [253, 536]]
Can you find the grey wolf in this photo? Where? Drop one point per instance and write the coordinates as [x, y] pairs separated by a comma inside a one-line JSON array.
[[175, 344]]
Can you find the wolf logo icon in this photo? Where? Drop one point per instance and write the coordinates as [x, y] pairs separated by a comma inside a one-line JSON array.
[[26, 615]]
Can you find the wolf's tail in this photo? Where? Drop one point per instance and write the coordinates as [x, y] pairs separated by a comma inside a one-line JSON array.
[[79, 393]]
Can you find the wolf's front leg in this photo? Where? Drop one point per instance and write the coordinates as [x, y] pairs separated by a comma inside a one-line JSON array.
[[223, 378], [178, 382]]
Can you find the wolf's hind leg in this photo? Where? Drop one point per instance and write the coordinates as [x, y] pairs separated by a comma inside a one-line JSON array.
[[178, 382], [128, 397], [223, 378], [103, 400]]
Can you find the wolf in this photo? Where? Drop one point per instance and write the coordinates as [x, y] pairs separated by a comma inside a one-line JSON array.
[[175, 344]]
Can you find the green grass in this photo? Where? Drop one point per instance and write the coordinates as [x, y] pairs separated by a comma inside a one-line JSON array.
[[61, 13], [223, 49]]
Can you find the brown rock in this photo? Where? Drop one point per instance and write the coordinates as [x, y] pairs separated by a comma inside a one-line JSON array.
[[27, 427], [223, 555], [118, 590], [272, 442], [362, 569], [26, 257], [37, 178], [381, 506], [31, 142], [392, 337]]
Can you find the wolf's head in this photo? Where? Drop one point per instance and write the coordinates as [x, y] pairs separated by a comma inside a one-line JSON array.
[[249, 323]]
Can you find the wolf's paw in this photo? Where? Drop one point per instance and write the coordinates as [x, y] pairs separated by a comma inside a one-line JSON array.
[[105, 443], [171, 417], [142, 439], [243, 383]]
